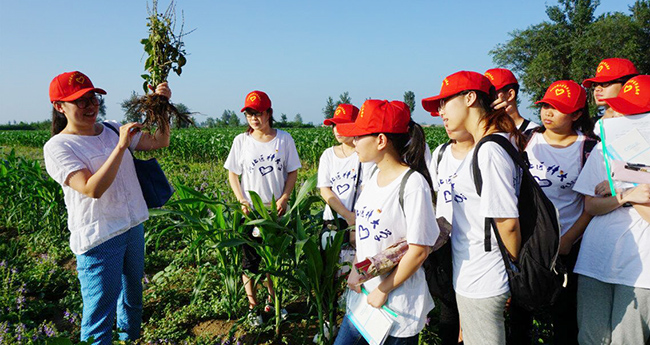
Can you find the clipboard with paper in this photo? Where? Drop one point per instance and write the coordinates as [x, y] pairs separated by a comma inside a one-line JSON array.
[[626, 148], [374, 324]]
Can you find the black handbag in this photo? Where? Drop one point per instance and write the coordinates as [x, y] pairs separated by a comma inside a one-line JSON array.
[[156, 189]]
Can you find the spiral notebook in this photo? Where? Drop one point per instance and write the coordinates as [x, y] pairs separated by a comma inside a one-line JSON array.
[[373, 324]]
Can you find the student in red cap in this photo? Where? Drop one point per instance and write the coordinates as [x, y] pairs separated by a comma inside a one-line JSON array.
[[105, 207], [613, 265], [507, 88], [339, 179], [557, 152], [267, 161], [611, 74], [385, 135], [447, 158], [479, 277]]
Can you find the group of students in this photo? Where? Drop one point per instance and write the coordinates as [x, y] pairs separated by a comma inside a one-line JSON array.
[[381, 185]]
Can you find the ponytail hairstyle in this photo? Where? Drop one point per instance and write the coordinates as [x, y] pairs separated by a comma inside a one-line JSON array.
[[249, 130], [498, 120], [59, 121], [411, 147]]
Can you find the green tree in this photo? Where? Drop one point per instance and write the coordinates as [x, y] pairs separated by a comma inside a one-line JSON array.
[[298, 119], [183, 109], [101, 113], [344, 98], [283, 120], [130, 108], [330, 106], [573, 41], [228, 119], [409, 99], [210, 122], [329, 109]]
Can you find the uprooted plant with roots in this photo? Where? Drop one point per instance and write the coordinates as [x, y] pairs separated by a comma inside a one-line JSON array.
[[166, 52]]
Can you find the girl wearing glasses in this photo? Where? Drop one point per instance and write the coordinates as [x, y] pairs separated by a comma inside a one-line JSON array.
[[105, 206], [267, 160], [611, 74]]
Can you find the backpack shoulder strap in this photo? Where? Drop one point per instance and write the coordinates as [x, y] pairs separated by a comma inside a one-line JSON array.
[[440, 153], [356, 186], [528, 134], [402, 185], [524, 125], [478, 180]]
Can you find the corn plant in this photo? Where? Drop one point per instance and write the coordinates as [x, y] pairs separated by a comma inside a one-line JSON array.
[[204, 223]]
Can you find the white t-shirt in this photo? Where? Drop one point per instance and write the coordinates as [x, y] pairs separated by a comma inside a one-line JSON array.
[[477, 273], [380, 223], [615, 247], [556, 170], [264, 166], [95, 221], [339, 174]]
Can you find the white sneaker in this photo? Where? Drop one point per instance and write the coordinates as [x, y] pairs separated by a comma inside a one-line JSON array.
[[254, 319]]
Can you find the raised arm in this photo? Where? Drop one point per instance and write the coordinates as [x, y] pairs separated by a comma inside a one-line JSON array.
[[94, 185]]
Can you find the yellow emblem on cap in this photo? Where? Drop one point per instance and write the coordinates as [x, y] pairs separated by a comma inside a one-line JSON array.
[[252, 97], [561, 89], [489, 75], [601, 66], [338, 111], [632, 84]]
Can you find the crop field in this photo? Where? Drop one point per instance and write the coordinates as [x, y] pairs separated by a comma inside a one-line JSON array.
[[193, 292]]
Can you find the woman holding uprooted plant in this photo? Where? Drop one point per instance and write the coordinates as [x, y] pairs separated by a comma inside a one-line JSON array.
[[385, 135], [105, 205], [267, 160]]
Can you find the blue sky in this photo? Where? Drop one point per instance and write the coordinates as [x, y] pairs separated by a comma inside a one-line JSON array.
[[299, 52]]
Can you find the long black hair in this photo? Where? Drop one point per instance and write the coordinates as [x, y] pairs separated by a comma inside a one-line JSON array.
[[59, 121], [411, 149]]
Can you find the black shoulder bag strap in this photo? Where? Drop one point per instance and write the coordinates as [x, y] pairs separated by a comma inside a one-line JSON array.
[[440, 153], [356, 187], [106, 124], [524, 125], [516, 157], [402, 185]]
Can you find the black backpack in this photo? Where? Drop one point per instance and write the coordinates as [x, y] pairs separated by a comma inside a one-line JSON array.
[[538, 277]]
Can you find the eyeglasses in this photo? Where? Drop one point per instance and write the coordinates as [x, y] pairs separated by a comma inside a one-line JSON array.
[[444, 101], [84, 102], [607, 83], [252, 114]]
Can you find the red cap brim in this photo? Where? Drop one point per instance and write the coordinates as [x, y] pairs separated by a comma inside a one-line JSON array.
[[350, 130], [603, 79], [563, 108], [335, 121], [82, 92], [625, 107], [431, 104]]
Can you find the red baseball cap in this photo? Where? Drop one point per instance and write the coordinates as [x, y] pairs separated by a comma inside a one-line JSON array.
[[634, 97], [501, 77], [611, 69], [377, 116], [69, 86], [258, 101], [456, 83], [566, 96], [344, 113]]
